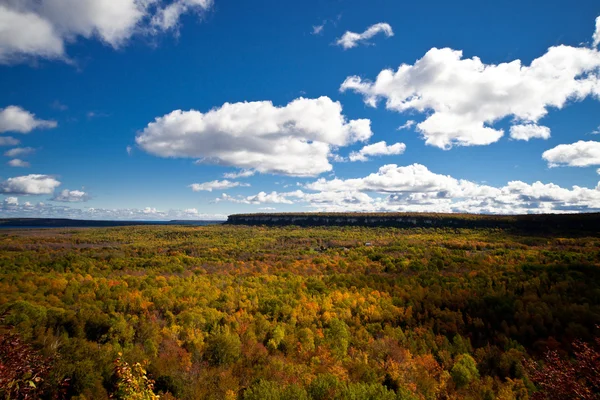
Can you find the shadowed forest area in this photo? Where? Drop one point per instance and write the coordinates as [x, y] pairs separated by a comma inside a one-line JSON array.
[[240, 312]]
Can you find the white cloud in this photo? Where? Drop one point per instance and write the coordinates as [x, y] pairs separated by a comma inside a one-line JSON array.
[[41, 28], [168, 17], [295, 139], [71, 196], [8, 141], [267, 208], [578, 154], [129, 149], [16, 119], [529, 131], [598, 171], [215, 185], [463, 98], [18, 163], [19, 151], [318, 29], [377, 149], [596, 37], [394, 179], [352, 39], [11, 201], [260, 198], [407, 125], [13, 209], [29, 184], [337, 158], [245, 173], [415, 188], [26, 33]]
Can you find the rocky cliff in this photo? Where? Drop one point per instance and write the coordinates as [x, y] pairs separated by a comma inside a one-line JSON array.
[[582, 223]]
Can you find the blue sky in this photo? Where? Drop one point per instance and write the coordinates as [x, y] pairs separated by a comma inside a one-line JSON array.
[[90, 89]]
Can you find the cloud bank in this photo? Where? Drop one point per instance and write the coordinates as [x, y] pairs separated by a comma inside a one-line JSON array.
[[414, 188], [11, 207]]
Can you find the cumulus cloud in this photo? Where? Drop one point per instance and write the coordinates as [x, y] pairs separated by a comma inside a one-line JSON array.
[[19, 151], [245, 173], [8, 141], [215, 185], [578, 154], [462, 98], [295, 139], [352, 39], [414, 188], [11, 201], [24, 33], [34, 28], [391, 178], [29, 184], [16, 119], [529, 131], [377, 149], [18, 163], [71, 196]]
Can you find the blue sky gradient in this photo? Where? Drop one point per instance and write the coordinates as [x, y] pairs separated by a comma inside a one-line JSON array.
[[103, 95]]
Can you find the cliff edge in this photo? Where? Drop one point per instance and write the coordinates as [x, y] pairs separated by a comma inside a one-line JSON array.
[[575, 223]]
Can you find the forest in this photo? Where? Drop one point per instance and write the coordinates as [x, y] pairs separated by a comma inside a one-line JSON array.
[[288, 312]]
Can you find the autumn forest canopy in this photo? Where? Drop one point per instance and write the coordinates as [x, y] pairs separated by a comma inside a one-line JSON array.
[[255, 312]]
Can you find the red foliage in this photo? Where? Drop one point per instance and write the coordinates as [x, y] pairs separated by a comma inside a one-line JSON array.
[[562, 379]]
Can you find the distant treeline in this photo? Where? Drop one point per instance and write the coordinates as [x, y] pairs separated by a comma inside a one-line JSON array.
[[81, 223], [588, 223]]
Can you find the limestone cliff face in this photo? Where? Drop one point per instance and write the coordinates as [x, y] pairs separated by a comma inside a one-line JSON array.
[[589, 223]]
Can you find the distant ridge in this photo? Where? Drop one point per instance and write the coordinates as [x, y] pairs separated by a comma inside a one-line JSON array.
[[588, 223], [80, 223]]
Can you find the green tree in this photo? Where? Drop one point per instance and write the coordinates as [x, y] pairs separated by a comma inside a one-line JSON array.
[[464, 370], [223, 347]]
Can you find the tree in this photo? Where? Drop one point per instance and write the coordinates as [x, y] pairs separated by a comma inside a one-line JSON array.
[[132, 382], [464, 370], [23, 371], [559, 378], [223, 347]]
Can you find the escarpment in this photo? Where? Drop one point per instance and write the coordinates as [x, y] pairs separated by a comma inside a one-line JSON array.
[[574, 223]]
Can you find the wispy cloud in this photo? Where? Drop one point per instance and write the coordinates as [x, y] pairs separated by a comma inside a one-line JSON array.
[[407, 125], [352, 39]]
